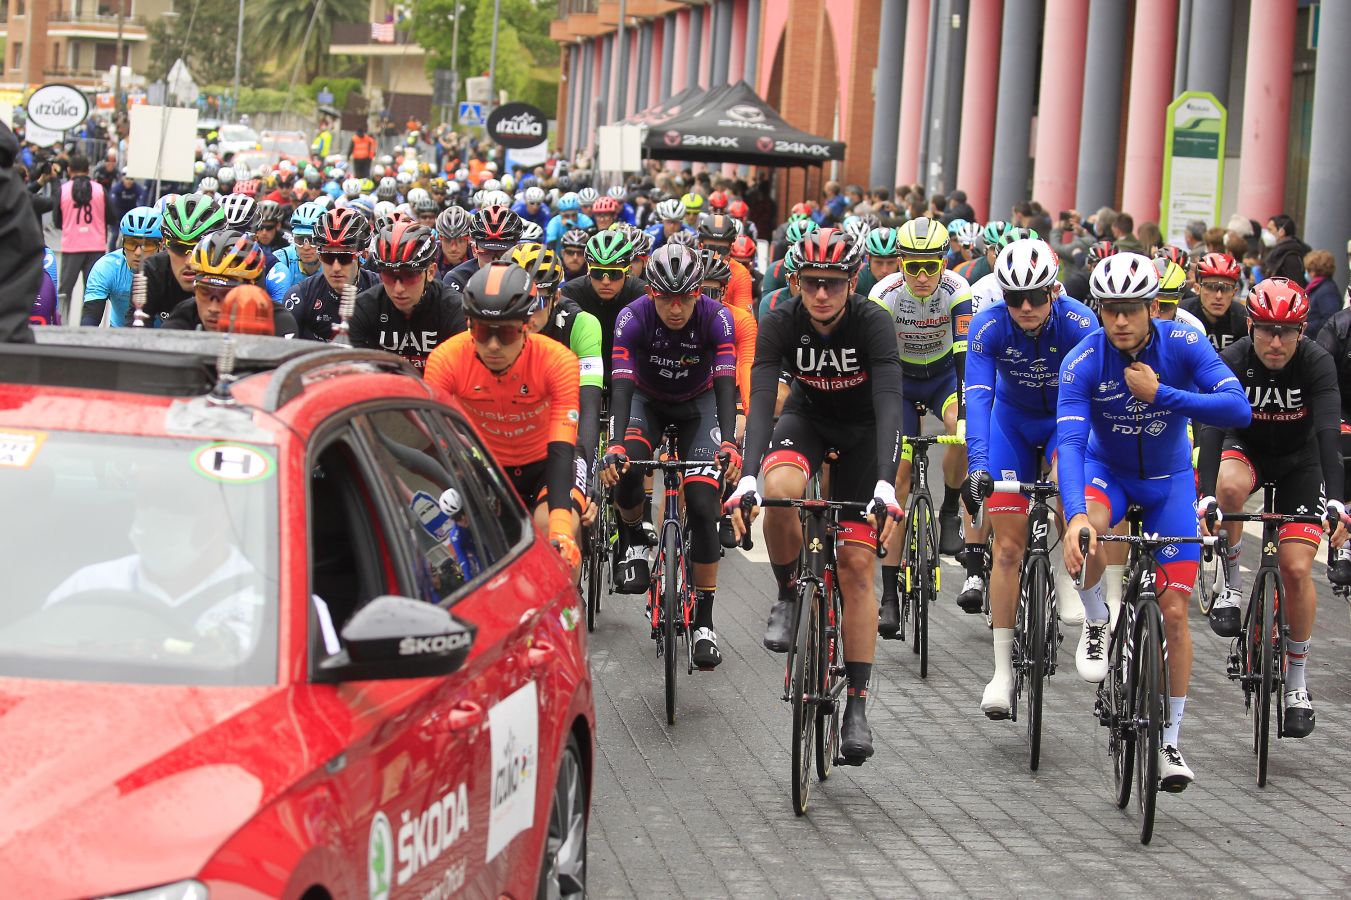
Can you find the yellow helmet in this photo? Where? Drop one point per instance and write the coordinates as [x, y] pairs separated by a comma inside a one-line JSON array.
[[227, 258], [1172, 280], [922, 237], [541, 262], [693, 202]]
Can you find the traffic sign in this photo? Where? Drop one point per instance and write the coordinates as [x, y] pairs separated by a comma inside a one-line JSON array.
[[471, 113]]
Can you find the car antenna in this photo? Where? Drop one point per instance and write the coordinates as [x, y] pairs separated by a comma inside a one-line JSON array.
[[225, 368], [138, 300], [346, 307]]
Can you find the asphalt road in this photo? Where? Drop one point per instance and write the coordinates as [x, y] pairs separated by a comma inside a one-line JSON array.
[[947, 805]]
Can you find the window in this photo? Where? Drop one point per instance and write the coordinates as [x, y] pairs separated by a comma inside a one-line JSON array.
[[472, 464], [17, 46]]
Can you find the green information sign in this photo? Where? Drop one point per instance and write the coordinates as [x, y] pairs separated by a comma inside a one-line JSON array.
[[1193, 163]]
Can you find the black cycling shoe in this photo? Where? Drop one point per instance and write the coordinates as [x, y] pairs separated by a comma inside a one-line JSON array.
[[950, 539], [1298, 715], [1339, 573], [633, 574], [1225, 621], [706, 655], [779, 629], [856, 738], [726, 536], [889, 621]]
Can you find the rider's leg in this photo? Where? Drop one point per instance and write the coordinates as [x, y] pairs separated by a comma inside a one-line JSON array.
[[855, 564], [891, 610], [702, 507], [1236, 481], [1090, 656], [1296, 556], [1010, 539], [783, 542], [954, 473]]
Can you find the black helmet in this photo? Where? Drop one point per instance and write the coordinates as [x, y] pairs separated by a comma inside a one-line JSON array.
[[674, 269], [714, 266], [268, 211], [502, 291], [717, 227]]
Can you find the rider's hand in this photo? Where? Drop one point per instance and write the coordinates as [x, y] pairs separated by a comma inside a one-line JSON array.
[[1337, 528], [612, 464], [567, 548], [1205, 508], [745, 488], [961, 431], [1142, 382], [885, 493], [731, 470], [979, 485], [1074, 560]]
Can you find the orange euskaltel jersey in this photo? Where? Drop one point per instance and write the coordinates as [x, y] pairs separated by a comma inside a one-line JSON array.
[[746, 332], [519, 412]]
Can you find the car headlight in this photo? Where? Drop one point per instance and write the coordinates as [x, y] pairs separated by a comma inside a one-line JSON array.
[[179, 890]]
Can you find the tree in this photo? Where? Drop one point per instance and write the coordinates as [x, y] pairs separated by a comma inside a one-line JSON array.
[[203, 34], [523, 41], [278, 26]]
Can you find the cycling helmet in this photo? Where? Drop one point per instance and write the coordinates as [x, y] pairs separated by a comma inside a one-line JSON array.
[[365, 206], [738, 209], [717, 227], [1278, 300], [208, 185], [922, 237], [857, 229], [533, 195], [882, 243], [248, 187], [496, 198], [351, 188], [1173, 254], [568, 203], [674, 269], [453, 223], [426, 205], [476, 200], [403, 179], [587, 197], [1026, 265], [693, 203], [495, 228], [832, 249], [871, 220], [226, 175], [384, 210], [531, 231], [367, 186], [617, 191], [609, 248], [404, 246], [670, 210], [190, 217], [1016, 234], [688, 238], [268, 211], [1124, 276], [387, 188], [416, 195], [540, 263], [1172, 279], [226, 258], [306, 218], [142, 222], [240, 212], [575, 237], [715, 267], [743, 248], [955, 225], [605, 205], [993, 231], [798, 230], [717, 201], [1100, 251], [502, 291], [343, 231], [642, 244], [792, 261], [1218, 265], [967, 234]]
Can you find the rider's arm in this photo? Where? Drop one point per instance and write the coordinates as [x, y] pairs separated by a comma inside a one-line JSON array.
[[1333, 339], [980, 376], [1078, 376], [739, 287], [1209, 442], [724, 372], [885, 374], [586, 346], [746, 331], [560, 374], [770, 353], [1325, 407], [629, 343], [1220, 402], [959, 314]]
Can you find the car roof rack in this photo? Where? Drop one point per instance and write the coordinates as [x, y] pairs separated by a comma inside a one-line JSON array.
[[173, 363]]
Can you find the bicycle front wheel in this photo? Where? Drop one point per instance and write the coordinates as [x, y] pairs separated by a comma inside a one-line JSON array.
[[594, 563], [1149, 716], [806, 658], [669, 566], [1267, 677], [832, 676], [1117, 696], [1210, 581], [1034, 653], [922, 560]]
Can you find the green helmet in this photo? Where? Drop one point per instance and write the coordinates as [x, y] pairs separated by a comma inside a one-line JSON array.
[[798, 217], [793, 260], [882, 243], [800, 229], [1013, 233], [609, 248], [993, 231], [191, 217]]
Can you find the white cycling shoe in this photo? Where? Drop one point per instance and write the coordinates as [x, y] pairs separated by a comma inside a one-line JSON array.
[[1174, 773], [1091, 656], [997, 701]]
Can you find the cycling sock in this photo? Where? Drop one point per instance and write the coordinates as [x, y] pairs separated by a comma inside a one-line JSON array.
[[858, 674], [889, 575], [1296, 655], [1095, 608], [1231, 570], [1003, 653], [950, 497], [783, 574], [703, 609], [1111, 583], [1175, 705], [975, 560], [647, 509]]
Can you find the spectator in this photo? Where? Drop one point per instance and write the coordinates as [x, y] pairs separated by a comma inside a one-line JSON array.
[[361, 150], [1150, 236], [20, 247], [1123, 234], [1194, 238], [1214, 241], [107, 171], [1101, 223], [83, 215], [959, 208], [1324, 298], [853, 197], [1285, 251], [938, 208], [1022, 214], [834, 204], [126, 195]]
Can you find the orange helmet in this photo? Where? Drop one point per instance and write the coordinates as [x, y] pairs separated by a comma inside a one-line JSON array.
[[247, 310]]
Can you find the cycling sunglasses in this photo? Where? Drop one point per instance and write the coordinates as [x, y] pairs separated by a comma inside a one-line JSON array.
[[608, 273], [179, 248], [1272, 331], [402, 275], [1037, 298], [834, 286], [266, 226], [677, 299], [341, 259], [149, 245], [929, 267], [304, 240], [1122, 307], [507, 333], [1219, 287]]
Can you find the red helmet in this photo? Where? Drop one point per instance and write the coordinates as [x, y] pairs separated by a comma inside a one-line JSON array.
[[1218, 265], [718, 200], [743, 248], [495, 228], [1173, 254], [1100, 251], [405, 246], [606, 204], [343, 231], [248, 188], [829, 248], [738, 209], [1278, 300], [803, 207]]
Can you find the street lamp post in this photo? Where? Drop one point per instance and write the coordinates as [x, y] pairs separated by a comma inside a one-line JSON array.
[[492, 59], [239, 55], [455, 68]]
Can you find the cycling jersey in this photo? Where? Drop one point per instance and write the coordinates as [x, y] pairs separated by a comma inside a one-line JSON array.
[[285, 274], [658, 233], [775, 278], [974, 269], [930, 331], [378, 325], [110, 280], [581, 292], [773, 300], [985, 293], [1100, 420], [554, 231], [1335, 338], [46, 310], [747, 331], [738, 292], [186, 318], [1182, 317], [162, 290], [1292, 408], [314, 303], [1018, 371], [49, 266], [1226, 329], [540, 216], [579, 331], [459, 276]]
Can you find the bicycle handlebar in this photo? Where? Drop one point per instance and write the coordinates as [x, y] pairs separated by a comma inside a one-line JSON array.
[[1148, 541], [935, 439], [876, 508], [1042, 488]]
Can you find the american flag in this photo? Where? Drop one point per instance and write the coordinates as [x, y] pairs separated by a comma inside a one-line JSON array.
[[382, 32]]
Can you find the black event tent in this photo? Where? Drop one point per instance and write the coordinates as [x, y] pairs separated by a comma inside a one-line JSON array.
[[729, 124]]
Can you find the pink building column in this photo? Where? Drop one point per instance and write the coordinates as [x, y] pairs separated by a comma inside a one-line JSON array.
[[658, 56], [980, 90], [1060, 105], [1266, 109], [1151, 90], [736, 60], [912, 92], [681, 51]]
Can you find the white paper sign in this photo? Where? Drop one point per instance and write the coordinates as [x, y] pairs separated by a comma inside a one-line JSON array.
[[150, 133], [514, 725]]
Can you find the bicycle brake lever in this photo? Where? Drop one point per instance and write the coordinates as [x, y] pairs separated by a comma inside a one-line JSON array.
[[879, 512], [1083, 551]]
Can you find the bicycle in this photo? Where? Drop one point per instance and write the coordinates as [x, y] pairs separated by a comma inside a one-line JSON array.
[[599, 539], [814, 674], [1132, 701], [919, 579], [1257, 659], [1036, 628]]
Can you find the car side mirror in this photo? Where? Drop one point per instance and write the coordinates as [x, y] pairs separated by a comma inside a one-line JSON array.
[[397, 637]]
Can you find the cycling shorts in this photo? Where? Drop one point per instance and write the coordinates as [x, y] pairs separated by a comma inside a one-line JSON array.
[[801, 441], [937, 392], [697, 420], [1014, 438], [1168, 507], [531, 482], [1299, 484]]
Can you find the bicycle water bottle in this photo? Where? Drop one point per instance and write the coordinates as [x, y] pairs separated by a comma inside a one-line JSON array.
[[460, 540]]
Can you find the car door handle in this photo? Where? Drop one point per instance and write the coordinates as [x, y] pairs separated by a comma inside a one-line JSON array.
[[540, 655], [465, 714]]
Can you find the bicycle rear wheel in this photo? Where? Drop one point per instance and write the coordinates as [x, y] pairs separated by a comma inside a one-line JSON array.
[[832, 674], [805, 679], [669, 566], [1034, 653], [1118, 692], [1266, 674], [595, 562], [1149, 716]]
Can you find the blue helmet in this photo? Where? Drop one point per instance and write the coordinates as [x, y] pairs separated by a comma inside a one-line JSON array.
[[306, 218], [955, 226], [142, 222], [568, 203]]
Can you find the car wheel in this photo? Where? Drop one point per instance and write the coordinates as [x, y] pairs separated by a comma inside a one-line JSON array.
[[562, 873]]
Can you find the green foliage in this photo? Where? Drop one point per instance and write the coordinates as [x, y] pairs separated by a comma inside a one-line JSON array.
[[278, 26], [266, 100], [339, 87], [527, 60], [204, 35]]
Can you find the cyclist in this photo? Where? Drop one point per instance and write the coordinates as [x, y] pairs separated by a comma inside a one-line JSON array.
[[452, 230], [340, 241], [608, 287], [846, 395], [1012, 382], [777, 276], [532, 208], [930, 309], [110, 278], [714, 284], [642, 250], [717, 231], [168, 274], [298, 260], [741, 211], [222, 261], [985, 248], [671, 216], [520, 392], [1293, 441], [1133, 384], [745, 252], [1224, 320], [1173, 289], [986, 290], [492, 234], [567, 216], [883, 249], [269, 234], [694, 207], [605, 212], [409, 312], [674, 364], [573, 254]]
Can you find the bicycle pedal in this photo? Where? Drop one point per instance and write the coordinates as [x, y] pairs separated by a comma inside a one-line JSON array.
[[1233, 667], [850, 760]]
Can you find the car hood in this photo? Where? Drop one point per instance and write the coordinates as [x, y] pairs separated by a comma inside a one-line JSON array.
[[111, 787]]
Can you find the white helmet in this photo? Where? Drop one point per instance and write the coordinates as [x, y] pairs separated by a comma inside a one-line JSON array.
[[242, 172], [384, 209], [857, 228], [671, 210], [508, 182], [462, 174], [387, 188], [416, 196], [1026, 265], [226, 174], [496, 198], [492, 184], [377, 172], [587, 196], [351, 188], [452, 187], [617, 191], [386, 160], [534, 195], [405, 209], [477, 199], [208, 185], [530, 231], [1124, 276], [238, 211]]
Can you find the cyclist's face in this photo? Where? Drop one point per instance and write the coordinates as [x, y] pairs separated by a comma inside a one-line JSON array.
[[405, 288], [674, 310], [1276, 345], [455, 250], [1216, 295], [603, 220], [498, 344], [607, 289], [923, 284], [1028, 316], [181, 265], [574, 259], [339, 273], [824, 292], [1126, 323], [1165, 311], [882, 266], [210, 302], [539, 319], [307, 253]]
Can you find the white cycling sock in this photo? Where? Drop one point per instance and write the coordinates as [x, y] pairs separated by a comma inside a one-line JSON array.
[[1095, 608], [1296, 654], [1175, 706], [1003, 653], [1231, 569]]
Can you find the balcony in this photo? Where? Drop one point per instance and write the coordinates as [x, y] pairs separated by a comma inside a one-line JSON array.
[[80, 76], [356, 39]]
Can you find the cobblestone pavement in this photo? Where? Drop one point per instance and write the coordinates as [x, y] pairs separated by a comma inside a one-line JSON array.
[[947, 805]]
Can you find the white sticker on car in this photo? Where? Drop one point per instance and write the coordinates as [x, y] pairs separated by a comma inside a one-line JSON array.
[[514, 726]]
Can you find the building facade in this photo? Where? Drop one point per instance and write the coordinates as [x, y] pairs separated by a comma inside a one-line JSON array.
[[396, 71], [74, 41]]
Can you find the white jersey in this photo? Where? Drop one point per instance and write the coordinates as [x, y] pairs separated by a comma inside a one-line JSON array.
[[1182, 317]]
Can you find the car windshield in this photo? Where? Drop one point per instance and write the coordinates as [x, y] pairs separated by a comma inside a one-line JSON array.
[[238, 133], [142, 560]]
